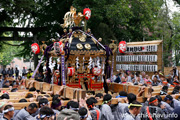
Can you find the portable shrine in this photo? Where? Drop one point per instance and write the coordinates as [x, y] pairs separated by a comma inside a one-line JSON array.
[[77, 59]]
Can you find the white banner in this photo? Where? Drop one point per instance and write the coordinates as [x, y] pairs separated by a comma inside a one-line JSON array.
[[147, 48], [136, 58], [131, 67]]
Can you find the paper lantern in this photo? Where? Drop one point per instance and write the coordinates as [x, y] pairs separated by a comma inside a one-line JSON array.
[[122, 46], [58, 47], [35, 48], [87, 13], [96, 71], [71, 71]]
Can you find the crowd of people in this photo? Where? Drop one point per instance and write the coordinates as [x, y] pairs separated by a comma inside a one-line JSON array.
[[157, 79], [127, 108], [17, 76], [86, 109]]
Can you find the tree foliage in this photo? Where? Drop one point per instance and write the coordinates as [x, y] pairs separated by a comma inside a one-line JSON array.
[[176, 38], [129, 20], [8, 52], [178, 1]]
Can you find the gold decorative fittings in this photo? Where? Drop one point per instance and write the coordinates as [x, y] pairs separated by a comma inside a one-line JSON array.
[[83, 38], [89, 31], [71, 18], [100, 39], [113, 46], [93, 40], [79, 46], [64, 30], [53, 40], [43, 47], [70, 30], [87, 46]]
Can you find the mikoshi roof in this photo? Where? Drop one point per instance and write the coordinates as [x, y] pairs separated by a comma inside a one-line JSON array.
[[84, 41]]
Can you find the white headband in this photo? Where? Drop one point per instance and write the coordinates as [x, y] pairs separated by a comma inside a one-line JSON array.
[[75, 109], [10, 109], [45, 103], [82, 117]]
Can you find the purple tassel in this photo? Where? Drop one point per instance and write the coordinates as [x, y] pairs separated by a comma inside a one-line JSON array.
[[67, 51], [46, 54]]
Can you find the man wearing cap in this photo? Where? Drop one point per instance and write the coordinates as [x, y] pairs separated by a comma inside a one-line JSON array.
[[134, 110], [105, 109], [1, 109], [8, 112]]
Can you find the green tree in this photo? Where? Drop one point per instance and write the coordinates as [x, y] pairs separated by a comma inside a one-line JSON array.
[[127, 20], [178, 1], [163, 30], [35, 13], [176, 38], [8, 52]]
